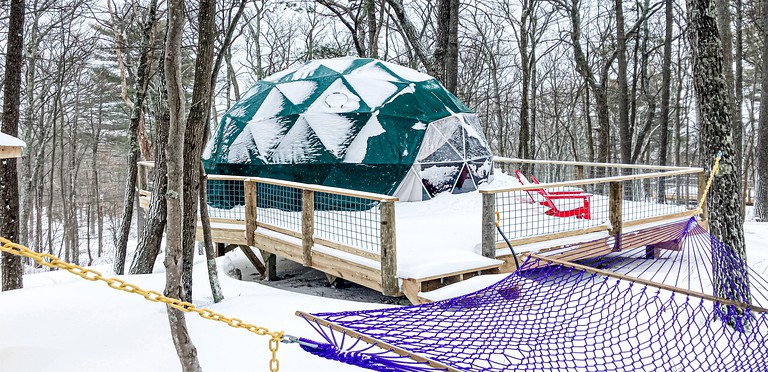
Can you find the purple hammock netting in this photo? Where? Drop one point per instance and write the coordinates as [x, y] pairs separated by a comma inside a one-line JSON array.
[[553, 317]]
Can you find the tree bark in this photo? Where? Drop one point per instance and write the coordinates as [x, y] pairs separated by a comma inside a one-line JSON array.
[[761, 188], [174, 152], [412, 36], [197, 122], [625, 134], [599, 89], [713, 108], [210, 255], [726, 37], [12, 269], [137, 115], [151, 237], [523, 149], [666, 88]]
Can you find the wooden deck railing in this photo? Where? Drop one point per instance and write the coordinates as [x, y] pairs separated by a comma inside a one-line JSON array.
[[623, 196], [354, 222]]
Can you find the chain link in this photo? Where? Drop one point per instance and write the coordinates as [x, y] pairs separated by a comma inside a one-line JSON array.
[[52, 261]]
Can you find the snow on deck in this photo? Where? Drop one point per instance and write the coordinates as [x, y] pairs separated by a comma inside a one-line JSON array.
[[444, 235]]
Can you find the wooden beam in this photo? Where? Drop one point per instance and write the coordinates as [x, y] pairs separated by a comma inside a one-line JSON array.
[[498, 159], [10, 152], [348, 270], [254, 260], [488, 224], [251, 210], [307, 225], [351, 250], [459, 272], [411, 289], [270, 265], [223, 235], [592, 181], [650, 283], [615, 202], [672, 216], [389, 281], [558, 235], [331, 279], [379, 343]]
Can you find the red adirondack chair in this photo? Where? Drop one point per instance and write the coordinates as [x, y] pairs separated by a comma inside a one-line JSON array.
[[547, 198]]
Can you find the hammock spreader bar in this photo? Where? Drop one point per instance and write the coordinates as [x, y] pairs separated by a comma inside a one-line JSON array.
[[372, 341]]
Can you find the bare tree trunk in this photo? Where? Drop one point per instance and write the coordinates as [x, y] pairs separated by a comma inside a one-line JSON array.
[[666, 88], [151, 236], [412, 36], [726, 38], [174, 152], [523, 150], [95, 186], [12, 269], [452, 52], [137, 116], [193, 137], [761, 188], [27, 173], [588, 123], [370, 13], [210, 256], [599, 89], [712, 93], [625, 134]]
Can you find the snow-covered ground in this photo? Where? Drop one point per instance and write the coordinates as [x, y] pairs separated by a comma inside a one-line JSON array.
[[61, 323]]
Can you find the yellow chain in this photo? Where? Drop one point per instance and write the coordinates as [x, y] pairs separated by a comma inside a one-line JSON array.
[[715, 167], [52, 261]]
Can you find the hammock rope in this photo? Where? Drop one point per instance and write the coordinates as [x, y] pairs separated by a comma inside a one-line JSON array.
[[644, 308]]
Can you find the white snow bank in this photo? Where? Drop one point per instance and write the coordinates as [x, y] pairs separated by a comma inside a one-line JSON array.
[[9, 140]]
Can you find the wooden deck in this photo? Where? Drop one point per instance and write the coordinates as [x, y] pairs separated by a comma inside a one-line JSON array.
[[376, 268]]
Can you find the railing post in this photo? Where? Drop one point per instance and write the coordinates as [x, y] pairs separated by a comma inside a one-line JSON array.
[[307, 225], [489, 226], [704, 216], [249, 187], [615, 198], [389, 283]]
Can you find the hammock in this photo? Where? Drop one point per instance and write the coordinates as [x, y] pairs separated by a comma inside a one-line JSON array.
[[639, 309]]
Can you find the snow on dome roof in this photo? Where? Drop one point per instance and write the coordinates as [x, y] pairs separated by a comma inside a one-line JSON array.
[[356, 123], [9, 140]]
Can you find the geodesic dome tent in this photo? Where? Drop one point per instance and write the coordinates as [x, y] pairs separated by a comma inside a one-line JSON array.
[[355, 123]]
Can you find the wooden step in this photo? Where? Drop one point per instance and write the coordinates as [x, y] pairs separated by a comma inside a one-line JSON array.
[[412, 287]]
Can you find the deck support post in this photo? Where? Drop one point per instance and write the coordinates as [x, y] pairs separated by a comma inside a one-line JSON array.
[[251, 215], [489, 226], [389, 283], [615, 198], [254, 260], [270, 263], [307, 226]]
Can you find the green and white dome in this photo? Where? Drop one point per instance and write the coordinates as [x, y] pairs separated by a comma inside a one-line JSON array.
[[355, 123]]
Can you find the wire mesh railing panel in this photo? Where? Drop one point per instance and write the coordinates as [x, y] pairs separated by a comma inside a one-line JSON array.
[[659, 196], [348, 220], [226, 199], [279, 206], [527, 214], [647, 193]]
